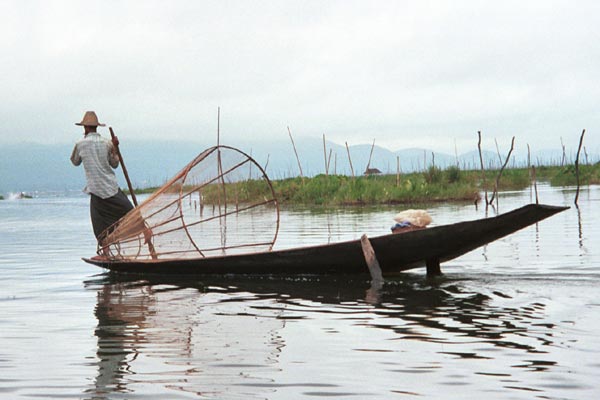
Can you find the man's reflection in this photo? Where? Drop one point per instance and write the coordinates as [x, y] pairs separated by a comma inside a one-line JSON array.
[[181, 339], [121, 321]]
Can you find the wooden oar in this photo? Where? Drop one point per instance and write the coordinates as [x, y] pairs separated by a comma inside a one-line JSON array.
[[112, 134], [147, 231]]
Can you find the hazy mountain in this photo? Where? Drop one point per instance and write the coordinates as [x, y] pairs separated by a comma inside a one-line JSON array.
[[34, 167]]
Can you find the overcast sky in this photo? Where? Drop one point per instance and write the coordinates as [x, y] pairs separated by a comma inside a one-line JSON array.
[[407, 74]]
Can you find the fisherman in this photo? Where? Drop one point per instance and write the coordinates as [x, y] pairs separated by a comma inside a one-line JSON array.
[[99, 156]]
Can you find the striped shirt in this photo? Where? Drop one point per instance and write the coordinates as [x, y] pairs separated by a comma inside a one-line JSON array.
[[98, 158]]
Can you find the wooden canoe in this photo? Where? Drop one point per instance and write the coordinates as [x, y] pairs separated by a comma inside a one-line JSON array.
[[395, 252]]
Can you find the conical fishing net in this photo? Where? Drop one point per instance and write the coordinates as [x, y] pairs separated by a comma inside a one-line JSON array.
[[221, 203]]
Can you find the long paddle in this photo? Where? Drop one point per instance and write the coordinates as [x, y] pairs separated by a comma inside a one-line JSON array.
[[147, 232], [112, 135]]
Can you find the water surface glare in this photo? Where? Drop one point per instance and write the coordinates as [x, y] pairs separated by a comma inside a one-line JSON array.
[[516, 319]]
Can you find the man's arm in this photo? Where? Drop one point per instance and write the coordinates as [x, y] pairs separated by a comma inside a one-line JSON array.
[[75, 157], [113, 157]]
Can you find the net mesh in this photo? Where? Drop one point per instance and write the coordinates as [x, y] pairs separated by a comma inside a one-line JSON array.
[[221, 203]]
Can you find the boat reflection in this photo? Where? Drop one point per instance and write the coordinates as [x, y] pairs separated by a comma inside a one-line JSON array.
[[222, 336]]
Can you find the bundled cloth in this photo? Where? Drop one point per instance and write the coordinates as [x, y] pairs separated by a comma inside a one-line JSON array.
[[410, 220]]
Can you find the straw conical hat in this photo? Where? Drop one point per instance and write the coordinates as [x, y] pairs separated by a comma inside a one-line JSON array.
[[89, 119]]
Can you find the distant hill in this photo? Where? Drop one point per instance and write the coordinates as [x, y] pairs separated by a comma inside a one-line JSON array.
[[34, 167]]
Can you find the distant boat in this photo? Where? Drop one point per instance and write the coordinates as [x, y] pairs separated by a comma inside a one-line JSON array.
[[19, 196]]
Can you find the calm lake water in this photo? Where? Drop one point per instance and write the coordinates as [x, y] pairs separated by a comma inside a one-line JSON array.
[[517, 319]]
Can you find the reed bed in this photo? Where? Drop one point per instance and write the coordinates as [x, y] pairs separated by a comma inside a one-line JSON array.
[[431, 185]]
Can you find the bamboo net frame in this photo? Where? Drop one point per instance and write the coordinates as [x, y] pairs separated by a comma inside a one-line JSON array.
[[221, 203]]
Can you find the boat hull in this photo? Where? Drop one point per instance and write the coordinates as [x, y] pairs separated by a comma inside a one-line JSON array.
[[395, 252]]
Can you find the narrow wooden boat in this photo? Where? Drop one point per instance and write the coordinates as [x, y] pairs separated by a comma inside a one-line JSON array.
[[395, 252]]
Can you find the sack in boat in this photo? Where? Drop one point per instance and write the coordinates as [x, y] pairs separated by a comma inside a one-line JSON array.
[[418, 218]]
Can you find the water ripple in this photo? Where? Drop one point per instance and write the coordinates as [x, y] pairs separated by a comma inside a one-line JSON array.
[[516, 318]]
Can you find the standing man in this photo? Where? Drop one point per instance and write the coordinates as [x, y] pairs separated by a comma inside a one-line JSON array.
[[99, 156]]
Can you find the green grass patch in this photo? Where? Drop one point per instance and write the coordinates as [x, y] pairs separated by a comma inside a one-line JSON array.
[[434, 184], [566, 176]]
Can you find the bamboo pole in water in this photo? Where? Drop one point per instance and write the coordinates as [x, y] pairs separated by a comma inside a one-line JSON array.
[[370, 155], [498, 152], [495, 193], [529, 169], [335, 164], [537, 200], [325, 157], [223, 191], [456, 154], [397, 171], [296, 152], [577, 165], [482, 169], [350, 159]]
